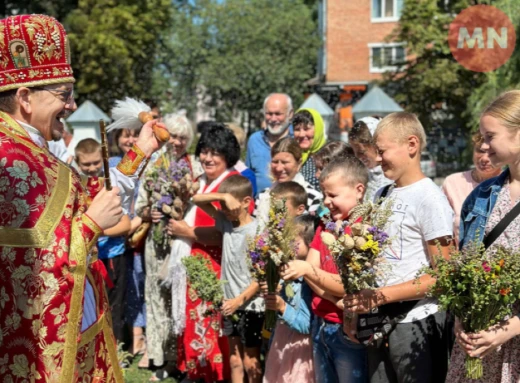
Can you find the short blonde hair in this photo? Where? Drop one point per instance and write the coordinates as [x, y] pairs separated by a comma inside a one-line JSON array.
[[506, 109], [178, 124], [403, 125]]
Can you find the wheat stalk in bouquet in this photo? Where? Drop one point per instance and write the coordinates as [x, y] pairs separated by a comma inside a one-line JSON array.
[[170, 186], [271, 248], [357, 244]]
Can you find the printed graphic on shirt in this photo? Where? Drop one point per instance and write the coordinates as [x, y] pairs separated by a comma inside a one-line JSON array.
[[394, 252]]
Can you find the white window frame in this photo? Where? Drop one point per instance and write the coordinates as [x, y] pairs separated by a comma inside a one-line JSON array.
[[383, 19], [384, 45]]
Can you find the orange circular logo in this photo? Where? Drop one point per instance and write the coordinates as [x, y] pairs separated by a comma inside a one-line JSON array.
[[482, 38]]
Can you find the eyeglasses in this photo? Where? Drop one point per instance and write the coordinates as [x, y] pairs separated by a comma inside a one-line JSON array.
[[66, 96]]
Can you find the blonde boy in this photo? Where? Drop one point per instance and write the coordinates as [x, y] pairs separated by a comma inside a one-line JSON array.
[[421, 230], [240, 291]]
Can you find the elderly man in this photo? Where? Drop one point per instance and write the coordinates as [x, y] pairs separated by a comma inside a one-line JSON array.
[[278, 111], [53, 306]]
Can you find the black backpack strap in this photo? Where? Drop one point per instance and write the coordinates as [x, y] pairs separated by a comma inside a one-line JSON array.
[[384, 192], [501, 226]]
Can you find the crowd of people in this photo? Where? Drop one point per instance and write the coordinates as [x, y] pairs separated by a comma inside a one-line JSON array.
[[64, 237]]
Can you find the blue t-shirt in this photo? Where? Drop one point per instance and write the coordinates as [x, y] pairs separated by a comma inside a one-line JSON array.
[[250, 175], [110, 247]]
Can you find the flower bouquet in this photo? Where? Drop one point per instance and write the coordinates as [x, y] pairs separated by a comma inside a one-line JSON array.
[[170, 186], [204, 282], [356, 245], [478, 289], [273, 247]]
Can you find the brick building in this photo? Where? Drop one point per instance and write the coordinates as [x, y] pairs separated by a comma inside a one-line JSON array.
[[355, 51]]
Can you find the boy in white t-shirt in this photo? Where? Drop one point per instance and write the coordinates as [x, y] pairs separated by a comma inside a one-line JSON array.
[[417, 349]]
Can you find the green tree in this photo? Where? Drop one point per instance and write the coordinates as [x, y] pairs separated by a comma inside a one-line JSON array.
[[114, 45], [432, 79], [56, 8], [505, 78], [231, 54]]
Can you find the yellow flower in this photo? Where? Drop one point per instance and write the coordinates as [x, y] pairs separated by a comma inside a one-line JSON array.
[[371, 245]]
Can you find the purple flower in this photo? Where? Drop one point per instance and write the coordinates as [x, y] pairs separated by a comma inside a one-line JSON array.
[[281, 223], [255, 257], [330, 226], [379, 235], [165, 199], [261, 242]]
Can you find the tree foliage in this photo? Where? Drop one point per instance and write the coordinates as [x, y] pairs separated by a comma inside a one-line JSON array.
[[432, 78], [56, 8], [229, 55], [114, 45], [506, 77]]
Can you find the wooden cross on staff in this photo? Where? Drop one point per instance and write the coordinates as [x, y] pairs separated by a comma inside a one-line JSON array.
[[104, 151]]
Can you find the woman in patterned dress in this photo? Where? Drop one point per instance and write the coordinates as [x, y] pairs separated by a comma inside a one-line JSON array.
[[202, 350], [309, 133], [499, 346], [160, 343]]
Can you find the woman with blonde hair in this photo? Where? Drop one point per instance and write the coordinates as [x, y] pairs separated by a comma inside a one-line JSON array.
[[485, 208], [160, 341]]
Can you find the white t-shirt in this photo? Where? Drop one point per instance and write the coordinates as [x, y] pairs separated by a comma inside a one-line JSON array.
[[421, 213]]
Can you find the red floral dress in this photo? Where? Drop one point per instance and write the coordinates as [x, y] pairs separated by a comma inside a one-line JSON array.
[[202, 350]]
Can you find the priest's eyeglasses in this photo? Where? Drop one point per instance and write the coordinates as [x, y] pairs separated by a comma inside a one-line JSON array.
[[66, 96]]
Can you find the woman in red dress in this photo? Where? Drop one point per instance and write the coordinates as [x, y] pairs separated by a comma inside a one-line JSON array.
[[202, 350]]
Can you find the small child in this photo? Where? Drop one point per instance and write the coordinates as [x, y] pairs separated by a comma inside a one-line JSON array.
[[88, 157], [296, 203], [421, 229], [336, 357], [290, 357], [240, 291], [330, 151], [295, 195], [111, 246]]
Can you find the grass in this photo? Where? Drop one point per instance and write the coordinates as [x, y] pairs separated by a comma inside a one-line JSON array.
[[134, 374]]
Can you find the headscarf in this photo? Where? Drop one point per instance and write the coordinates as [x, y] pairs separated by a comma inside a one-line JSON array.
[[371, 123], [319, 134]]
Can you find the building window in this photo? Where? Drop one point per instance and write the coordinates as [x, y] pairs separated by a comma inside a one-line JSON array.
[[386, 57], [386, 10]]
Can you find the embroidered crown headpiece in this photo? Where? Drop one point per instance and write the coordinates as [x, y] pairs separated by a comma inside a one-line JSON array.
[[34, 51]]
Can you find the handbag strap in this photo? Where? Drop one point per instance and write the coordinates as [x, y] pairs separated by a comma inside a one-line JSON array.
[[501, 226]]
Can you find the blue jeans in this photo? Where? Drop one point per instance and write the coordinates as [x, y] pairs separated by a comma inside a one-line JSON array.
[[336, 358]]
